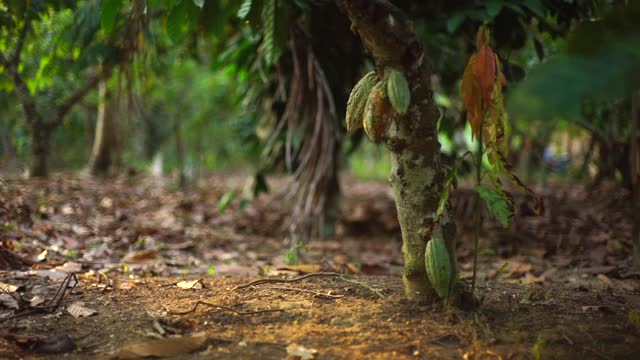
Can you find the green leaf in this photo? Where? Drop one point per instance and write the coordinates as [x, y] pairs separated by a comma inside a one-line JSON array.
[[199, 3], [245, 8], [178, 21], [271, 50], [535, 6], [494, 7], [226, 199], [110, 9], [454, 22], [496, 204], [501, 270]]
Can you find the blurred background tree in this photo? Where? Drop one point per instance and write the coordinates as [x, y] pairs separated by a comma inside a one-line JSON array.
[[260, 86]]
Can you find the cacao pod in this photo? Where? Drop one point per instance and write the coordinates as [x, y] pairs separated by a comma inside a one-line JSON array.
[[358, 100], [398, 91], [438, 266], [378, 113]]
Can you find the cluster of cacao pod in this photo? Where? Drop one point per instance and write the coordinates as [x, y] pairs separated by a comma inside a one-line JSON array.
[[374, 103]]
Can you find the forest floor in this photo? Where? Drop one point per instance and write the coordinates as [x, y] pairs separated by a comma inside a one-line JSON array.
[[132, 267]]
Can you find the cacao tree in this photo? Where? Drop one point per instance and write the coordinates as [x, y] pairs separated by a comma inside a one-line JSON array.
[[52, 35]]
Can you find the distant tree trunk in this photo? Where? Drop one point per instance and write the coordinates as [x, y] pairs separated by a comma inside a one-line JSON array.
[[634, 159], [100, 161], [40, 148], [417, 175], [9, 149], [177, 134], [331, 210]]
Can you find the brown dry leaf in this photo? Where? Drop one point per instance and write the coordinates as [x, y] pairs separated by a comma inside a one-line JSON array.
[[161, 348], [8, 301], [139, 256], [295, 351], [605, 279], [471, 96], [36, 300], [8, 288], [532, 279], [484, 72], [302, 268], [77, 309], [518, 268], [70, 267], [191, 284], [126, 286]]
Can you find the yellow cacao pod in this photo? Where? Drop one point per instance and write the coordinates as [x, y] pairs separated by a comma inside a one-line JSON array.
[[358, 100], [398, 91], [378, 113], [438, 266]]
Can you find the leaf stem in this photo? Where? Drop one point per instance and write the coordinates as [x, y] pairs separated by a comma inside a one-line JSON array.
[[478, 209]]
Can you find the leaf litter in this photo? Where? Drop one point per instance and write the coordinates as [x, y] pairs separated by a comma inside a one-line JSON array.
[[125, 239]]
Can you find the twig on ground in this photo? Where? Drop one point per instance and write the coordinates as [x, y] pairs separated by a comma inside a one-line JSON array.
[[317, 293], [53, 304], [295, 279], [299, 278], [243, 313]]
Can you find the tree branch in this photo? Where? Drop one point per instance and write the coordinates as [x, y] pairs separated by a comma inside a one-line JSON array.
[[77, 96], [27, 101], [15, 58], [386, 32]]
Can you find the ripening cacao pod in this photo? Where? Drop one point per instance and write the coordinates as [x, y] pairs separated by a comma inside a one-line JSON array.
[[378, 113], [398, 91], [357, 101], [438, 266]]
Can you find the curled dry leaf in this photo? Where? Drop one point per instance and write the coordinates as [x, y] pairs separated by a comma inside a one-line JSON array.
[[295, 351], [77, 309], [191, 284]]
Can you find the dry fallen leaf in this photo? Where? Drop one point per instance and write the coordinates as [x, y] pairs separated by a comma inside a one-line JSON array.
[[70, 267], [77, 309], [161, 348], [302, 269], [36, 300], [8, 288], [191, 284], [139, 256], [8, 301], [295, 351]]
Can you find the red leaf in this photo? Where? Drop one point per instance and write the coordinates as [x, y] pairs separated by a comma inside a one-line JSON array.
[[485, 72], [472, 96]]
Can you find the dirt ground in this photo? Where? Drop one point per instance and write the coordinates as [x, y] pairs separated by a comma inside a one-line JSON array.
[[145, 254]]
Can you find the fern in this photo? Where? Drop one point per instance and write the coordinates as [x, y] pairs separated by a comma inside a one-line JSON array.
[[271, 50], [245, 8]]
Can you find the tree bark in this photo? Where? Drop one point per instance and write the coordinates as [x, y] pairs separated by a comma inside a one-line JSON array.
[[417, 175], [634, 159], [40, 148], [177, 133], [100, 161]]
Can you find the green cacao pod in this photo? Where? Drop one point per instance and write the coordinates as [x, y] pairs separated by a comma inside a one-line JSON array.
[[357, 101], [398, 91], [438, 266], [378, 113]]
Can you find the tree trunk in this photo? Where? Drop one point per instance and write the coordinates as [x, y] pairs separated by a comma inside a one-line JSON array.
[[417, 176], [634, 159], [182, 179], [100, 161], [40, 148]]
